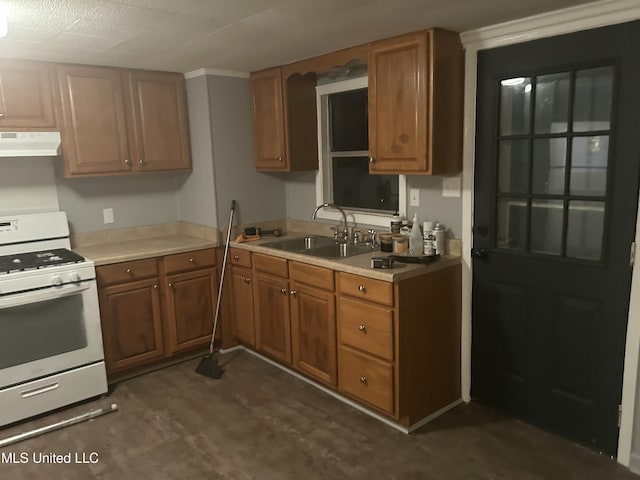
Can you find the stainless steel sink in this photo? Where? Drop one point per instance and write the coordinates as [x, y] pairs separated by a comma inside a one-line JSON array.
[[318, 246]]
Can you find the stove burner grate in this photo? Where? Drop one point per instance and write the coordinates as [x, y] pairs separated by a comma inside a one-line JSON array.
[[36, 260]]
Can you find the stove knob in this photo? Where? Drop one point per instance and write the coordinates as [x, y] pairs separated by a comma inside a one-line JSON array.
[[75, 277], [56, 280]]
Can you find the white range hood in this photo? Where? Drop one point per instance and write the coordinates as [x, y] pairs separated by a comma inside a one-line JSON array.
[[29, 144]]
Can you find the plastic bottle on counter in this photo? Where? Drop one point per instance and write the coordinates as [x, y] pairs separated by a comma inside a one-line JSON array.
[[415, 238], [396, 223], [428, 239], [438, 232]]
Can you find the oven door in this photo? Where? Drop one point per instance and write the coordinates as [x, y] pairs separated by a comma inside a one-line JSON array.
[[48, 331]]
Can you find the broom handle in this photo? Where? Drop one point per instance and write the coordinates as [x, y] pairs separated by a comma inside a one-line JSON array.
[[224, 267]]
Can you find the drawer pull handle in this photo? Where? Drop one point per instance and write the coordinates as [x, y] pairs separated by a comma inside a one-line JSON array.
[[129, 270], [283, 291], [363, 380], [39, 390], [363, 328], [362, 288], [236, 257], [247, 280], [293, 293]]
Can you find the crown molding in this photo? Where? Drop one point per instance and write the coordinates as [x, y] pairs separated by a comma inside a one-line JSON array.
[[215, 71]]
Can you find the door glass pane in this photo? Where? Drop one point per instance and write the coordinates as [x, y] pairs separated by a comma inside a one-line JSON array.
[[349, 117], [592, 101], [584, 230], [512, 223], [552, 103], [513, 168], [546, 226], [589, 165], [354, 187], [515, 105], [549, 156]]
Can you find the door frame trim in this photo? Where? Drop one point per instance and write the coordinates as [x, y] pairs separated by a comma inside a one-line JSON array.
[[568, 20]]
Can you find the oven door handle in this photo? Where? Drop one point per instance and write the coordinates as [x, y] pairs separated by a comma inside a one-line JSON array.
[[42, 295]]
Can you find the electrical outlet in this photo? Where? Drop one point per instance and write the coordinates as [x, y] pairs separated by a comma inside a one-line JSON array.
[[107, 215], [414, 197]]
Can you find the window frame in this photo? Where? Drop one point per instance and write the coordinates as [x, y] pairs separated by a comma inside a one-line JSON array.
[[324, 186]]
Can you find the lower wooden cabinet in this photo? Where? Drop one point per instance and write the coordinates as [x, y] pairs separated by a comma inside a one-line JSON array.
[[272, 317], [156, 308], [242, 292]]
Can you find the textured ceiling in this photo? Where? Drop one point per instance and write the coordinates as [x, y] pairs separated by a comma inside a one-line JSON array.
[[239, 35]]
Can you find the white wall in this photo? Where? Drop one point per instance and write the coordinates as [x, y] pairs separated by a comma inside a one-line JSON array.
[[27, 185]]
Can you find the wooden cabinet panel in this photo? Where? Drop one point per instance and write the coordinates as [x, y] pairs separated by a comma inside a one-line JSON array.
[[190, 260], [415, 104], [190, 309], [367, 379], [365, 288], [367, 327], [94, 133], [239, 257], [313, 332], [160, 127], [131, 324], [25, 95], [311, 275], [268, 120], [127, 271], [241, 279], [272, 316], [274, 265], [398, 76]]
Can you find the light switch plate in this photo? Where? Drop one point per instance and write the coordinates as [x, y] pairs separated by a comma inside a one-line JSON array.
[[107, 215], [414, 197], [451, 186]]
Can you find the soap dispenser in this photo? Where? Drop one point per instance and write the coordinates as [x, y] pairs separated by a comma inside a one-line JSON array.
[[415, 237]]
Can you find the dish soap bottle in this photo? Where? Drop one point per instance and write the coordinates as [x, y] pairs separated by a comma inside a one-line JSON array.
[[415, 237]]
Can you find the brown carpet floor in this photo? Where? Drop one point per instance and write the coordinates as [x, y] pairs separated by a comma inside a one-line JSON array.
[[258, 422]]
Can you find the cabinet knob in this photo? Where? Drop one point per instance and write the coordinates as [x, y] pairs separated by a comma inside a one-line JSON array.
[[142, 162], [126, 161], [283, 291], [363, 328], [293, 293], [247, 280], [363, 380], [171, 285], [281, 159], [191, 259], [1, 115], [236, 257], [129, 270], [155, 286], [362, 289], [372, 160]]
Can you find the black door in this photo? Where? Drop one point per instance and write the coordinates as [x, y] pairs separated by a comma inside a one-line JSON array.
[[556, 192]]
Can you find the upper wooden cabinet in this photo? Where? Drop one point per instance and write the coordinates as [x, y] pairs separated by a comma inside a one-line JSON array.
[[284, 121], [416, 104], [25, 95], [160, 124], [116, 121]]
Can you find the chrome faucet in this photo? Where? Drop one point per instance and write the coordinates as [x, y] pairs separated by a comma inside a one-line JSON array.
[[344, 235]]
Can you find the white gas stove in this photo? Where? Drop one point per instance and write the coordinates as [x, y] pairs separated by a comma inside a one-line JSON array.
[[50, 337]]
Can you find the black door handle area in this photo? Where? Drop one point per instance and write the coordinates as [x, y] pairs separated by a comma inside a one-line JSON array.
[[479, 254]]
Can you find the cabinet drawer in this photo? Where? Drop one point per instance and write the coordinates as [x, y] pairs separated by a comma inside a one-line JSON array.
[[127, 271], [362, 287], [366, 327], [367, 378], [241, 258], [274, 265], [190, 260], [311, 275]]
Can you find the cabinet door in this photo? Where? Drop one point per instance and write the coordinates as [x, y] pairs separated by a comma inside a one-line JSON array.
[[131, 324], [398, 122], [94, 137], [243, 305], [268, 120], [25, 95], [271, 308], [160, 129], [313, 332], [190, 309]]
